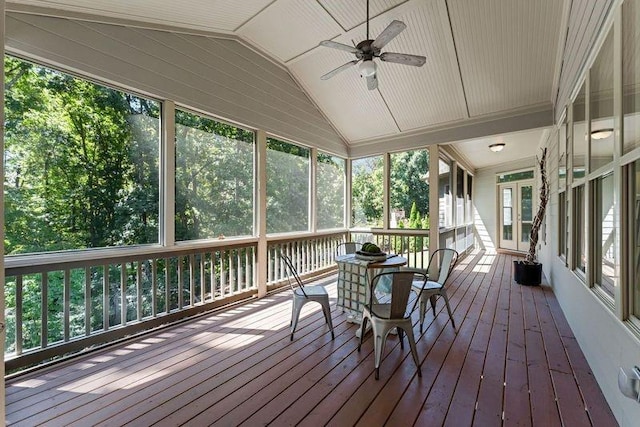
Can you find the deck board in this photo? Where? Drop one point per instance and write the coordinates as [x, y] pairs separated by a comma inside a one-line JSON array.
[[512, 361]]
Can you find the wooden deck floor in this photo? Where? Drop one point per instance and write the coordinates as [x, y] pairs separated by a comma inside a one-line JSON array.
[[513, 361]]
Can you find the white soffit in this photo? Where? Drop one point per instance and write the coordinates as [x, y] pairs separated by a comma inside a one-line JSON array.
[[350, 14], [506, 51], [288, 28], [218, 15]]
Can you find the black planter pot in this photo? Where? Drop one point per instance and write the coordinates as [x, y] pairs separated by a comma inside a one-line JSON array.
[[527, 274]]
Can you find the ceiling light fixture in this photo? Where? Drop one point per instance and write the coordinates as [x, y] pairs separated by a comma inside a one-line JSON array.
[[601, 133], [367, 68], [497, 147]]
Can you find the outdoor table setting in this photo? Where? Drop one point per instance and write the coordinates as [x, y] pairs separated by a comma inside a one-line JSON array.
[[355, 272]]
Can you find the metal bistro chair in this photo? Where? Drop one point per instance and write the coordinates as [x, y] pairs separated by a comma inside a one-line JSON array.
[[388, 309], [345, 248], [303, 294], [433, 288]]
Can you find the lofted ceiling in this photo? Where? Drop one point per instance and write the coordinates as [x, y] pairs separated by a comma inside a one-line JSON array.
[[485, 58]]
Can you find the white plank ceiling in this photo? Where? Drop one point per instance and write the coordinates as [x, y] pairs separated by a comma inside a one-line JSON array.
[[485, 58]]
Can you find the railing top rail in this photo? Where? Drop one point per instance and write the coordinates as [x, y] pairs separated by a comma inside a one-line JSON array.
[[392, 231], [37, 263]]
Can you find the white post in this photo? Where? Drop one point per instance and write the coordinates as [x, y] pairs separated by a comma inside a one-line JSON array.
[[434, 209], [3, 332], [168, 174], [262, 256]]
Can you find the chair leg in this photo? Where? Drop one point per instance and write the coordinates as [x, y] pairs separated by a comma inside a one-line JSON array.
[[363, 327], [433, 299], [401, 337], [423, 310], [297, 307], [326, 309], [414, 351], [378, 347], [446, 301]]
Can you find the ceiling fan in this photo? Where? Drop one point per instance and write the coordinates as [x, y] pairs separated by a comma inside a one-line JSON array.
[[368, 49]]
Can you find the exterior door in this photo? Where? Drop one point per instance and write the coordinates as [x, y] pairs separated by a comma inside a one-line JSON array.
[[516, 215]]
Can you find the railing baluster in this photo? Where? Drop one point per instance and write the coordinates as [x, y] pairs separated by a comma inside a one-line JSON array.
[[44, 300], [123, 293], [167, 285], [139, 288], [203, 279], [180, 284], [19, 316], [87, 301], [67, 304], [154, 288], [223, 276], [212, 267], [192, 280], [240, 274]]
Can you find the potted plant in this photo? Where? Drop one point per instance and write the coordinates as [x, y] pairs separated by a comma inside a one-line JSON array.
[[529, 271]]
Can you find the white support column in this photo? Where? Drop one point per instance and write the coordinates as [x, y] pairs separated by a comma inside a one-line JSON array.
[[434, 205], [386, 181], [347, 194], [313, 190], [168, 174], [262, 256], [3, 331]]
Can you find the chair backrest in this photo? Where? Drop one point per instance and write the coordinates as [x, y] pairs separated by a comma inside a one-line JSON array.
[[394, 288], [441, 264], [345, 248], [292, 274]]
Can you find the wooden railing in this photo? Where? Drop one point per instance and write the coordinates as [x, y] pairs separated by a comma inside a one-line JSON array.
[[410, 243], [57, 305]]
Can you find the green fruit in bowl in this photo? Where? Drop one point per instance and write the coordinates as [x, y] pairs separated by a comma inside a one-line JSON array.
[[371, 248]]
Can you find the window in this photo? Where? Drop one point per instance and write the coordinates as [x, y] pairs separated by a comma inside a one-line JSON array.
[[459, 196], [580, 250], [633, 228], [366, 183], [604, 233], [445, 198], [631, 74], [214, 178], [562, 156], [287, 187], [330, 191], [562, 224], [469, 209], [81, 163], [409, 190], [601, 106], [515, 176], [579, 132]]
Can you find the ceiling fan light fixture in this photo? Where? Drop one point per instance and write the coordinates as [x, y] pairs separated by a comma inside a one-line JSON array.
[[367, 68], [497, 147], [601, 133]]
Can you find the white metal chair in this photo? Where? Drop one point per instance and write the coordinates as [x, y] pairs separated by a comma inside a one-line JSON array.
[[303, 294], [388, 308], [440, 266], [345, 248]]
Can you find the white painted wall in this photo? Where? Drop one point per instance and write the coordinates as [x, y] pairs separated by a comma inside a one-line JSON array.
[[218, 76], [605, 340]]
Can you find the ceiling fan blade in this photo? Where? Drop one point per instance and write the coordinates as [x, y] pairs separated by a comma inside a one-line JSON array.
[[403, 58], [340, 46], [392, 30], [372, 82], [340, 68]]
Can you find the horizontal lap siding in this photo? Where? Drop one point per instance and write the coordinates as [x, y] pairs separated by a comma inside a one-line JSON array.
[[219, 76]]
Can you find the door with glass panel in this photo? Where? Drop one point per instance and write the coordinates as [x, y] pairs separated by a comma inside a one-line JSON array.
[[516, 215]]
